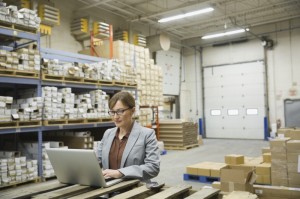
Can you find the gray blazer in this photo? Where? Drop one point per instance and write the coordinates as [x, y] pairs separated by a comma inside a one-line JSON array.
[[141, 158]]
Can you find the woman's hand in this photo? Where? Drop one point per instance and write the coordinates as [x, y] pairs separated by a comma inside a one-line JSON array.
[[110, 173]]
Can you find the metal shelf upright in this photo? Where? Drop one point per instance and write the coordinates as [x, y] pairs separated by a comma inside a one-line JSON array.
[[12, 36]]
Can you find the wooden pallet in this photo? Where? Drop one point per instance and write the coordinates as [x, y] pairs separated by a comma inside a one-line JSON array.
[[131, 84], [91, 81], [19, 73], [181, 147], [119, 83], [65, 79], [54, 122], [20, 124], [64, 122], [15, 184], [126, 189], [18, 27], [92, 120], [106, 119], [105, 83]]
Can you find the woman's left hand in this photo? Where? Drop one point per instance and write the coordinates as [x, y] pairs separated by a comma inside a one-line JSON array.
[[110, 173]]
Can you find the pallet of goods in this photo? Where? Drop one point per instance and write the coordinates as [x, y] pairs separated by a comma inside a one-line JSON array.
[[177, 134]]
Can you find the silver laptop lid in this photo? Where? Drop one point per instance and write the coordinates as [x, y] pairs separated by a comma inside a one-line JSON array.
[[76, 166]]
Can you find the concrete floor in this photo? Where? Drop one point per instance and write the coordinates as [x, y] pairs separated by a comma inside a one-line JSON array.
[[174, 162]]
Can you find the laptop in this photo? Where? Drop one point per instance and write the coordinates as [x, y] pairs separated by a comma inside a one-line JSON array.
[[78, 166]]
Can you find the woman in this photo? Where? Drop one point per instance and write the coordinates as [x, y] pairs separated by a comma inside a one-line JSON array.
[[128, 150]]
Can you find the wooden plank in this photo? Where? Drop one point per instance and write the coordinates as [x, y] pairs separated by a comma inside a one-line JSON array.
[[28, 190], [135, 193], [204, 194], [65, 192], [102, 191], [172, 192]]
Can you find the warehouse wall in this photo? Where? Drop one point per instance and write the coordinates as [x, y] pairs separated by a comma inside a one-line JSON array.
[[61, 38], [191, 86], [283, 68]]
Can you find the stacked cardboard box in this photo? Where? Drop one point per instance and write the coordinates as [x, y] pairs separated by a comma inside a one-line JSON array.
[[68, 103], [99, 100], [237, 178], [293, 161], [73, 140], [24, 17], [27, 17], [292, 133], [24, 59], [137, 68], [28, 108], [15, 168], [263, 173], [30, 150], [210, 169], [178, 133], [108, 70], [234, 159], [279, 173], [5, 108], [53, 107], [63, 104], [276, 192]]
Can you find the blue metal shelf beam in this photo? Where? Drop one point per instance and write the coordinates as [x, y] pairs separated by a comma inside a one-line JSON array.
[[54, 127], [68, 57], [71, 85], [77, 126], [13, 80], [19, 130], [19, 34]]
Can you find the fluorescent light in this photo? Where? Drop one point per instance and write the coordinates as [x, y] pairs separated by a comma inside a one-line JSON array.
[[189, 14], [224, 34]]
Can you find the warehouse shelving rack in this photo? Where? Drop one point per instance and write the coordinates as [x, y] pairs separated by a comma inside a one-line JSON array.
[[14, 35], [155, 119]]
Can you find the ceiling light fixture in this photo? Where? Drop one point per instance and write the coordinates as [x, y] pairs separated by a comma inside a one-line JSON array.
[[225, 33], [189, 14]]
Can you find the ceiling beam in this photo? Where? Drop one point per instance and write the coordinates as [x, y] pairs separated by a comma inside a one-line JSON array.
[[256, 24], [93, 5], [213, 20]]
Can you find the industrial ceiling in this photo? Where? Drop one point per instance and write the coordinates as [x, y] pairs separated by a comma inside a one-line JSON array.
[[227, 14]]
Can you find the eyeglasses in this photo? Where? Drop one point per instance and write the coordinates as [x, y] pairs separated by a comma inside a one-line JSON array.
[[118, 112]]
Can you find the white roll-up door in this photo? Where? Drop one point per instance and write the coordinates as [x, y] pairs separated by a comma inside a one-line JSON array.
[[234, 100]]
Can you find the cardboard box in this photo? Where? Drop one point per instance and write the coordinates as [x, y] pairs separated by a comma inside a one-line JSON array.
[[234, 159], [276, 191], [200, 169], [240, 195], [292, 157], [267, 157], [295, 134], [215, 170], [263, 179], [294, 179], [237, 178], [292, 167], [293, 146], [266, 149], [263, 169]]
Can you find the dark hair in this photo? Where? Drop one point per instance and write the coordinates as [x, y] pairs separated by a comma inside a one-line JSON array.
[[125, 97]]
